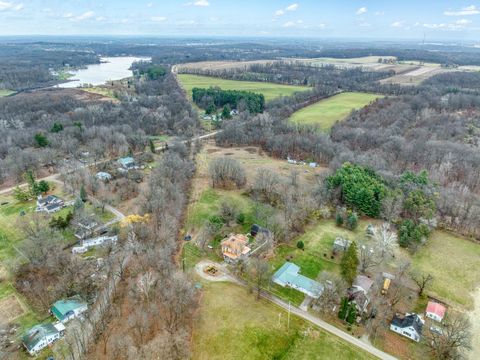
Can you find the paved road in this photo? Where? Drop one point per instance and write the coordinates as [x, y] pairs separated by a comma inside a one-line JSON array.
[[301, 313]]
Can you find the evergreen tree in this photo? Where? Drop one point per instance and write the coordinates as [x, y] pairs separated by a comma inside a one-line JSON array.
[[226, 112], [83, 194], [41, 140], [152, 146], [57, 127], [349, 263], [43, 186], [352, 221]]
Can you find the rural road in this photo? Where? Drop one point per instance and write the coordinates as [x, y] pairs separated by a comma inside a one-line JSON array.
[[53, 177], [295, 310]]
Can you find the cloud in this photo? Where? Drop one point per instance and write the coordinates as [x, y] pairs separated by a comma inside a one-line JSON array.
[[279, 12], [149, 5], [85, 16], [445, 26], [397, 24], [379, 13], [292, 7], [158, 18], [465, 11], [463, 22], [364, 24], [68, 15], [202, 3], [362, 10], [100, 18], [8, 5], [289, 24], [322, 26]]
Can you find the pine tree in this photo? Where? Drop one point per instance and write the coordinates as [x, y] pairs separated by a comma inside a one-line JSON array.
[[349, 263], [152, 146], [83, 194]]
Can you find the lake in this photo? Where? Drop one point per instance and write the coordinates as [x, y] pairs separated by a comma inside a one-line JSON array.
[[110, 68]]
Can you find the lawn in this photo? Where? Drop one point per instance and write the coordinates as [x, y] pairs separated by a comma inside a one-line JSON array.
[[6, 92], [269, 90], [326, 112], [453, 261], [232, 324], [318, 240]]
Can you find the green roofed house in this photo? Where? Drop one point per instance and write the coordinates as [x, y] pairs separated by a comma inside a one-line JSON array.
[[289, 276], [65, 310], [42, 335]]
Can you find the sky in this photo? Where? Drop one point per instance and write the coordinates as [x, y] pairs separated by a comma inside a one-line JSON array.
[[407, 19]]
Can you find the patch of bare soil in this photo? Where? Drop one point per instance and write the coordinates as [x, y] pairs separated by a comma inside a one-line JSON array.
[[10, 309]]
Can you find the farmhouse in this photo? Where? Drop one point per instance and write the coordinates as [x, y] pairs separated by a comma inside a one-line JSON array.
[[235, 247], [85, 228], [68, 309], [289, 276], [98, 241], [435, 311], [49, 204], [340, 244], [359, 292], [42, 335], [409, 326]]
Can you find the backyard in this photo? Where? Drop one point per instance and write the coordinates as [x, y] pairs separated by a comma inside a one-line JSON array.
[[269, 90], [237, 326], [326, 112]]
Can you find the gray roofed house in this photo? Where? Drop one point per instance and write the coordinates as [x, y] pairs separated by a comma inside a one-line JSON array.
[[49, 204], [42, 335], [410, 326], [359, 292], [103, 176]]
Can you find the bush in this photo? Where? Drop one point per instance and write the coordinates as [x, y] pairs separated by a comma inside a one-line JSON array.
[[410, 233], [339, 219], [352, 221], [300, 245], [241, 218]]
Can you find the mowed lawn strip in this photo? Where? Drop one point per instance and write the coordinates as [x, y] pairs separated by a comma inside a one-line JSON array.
[[232, 324], [454, 262], [269, 90], [6, 92], [326, 112]]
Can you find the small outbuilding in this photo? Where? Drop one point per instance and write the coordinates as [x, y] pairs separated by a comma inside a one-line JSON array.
[[340, 245], [435, 311], [127, 163], [103, 176], [68, 309]]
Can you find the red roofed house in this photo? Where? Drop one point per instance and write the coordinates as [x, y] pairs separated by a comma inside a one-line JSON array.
[[235, 247], [435, 311]]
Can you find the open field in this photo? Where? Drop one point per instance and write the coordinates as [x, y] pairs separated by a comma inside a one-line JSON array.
[[6, 92], [453, 261], [326, 112], [232, 324], [269, 90], [414, 77], [104, 91]]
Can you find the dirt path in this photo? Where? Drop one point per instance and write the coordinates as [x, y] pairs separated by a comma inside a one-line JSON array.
[[474, 316]]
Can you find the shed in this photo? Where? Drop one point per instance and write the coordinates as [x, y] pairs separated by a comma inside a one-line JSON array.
[[435, 311], [65, 310], [340, 244]]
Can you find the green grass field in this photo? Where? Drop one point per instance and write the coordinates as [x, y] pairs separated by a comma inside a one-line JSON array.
[[318, 240], [326, 112], [5, 92], [269, 90], [453, 261], [232, 324]]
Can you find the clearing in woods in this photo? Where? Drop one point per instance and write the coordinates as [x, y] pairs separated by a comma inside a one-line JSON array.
[[326, 112], [269, 90]]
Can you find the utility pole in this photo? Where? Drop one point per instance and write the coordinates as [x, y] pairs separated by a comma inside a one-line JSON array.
[[288, 321]]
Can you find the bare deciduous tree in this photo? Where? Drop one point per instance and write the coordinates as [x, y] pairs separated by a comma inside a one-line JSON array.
[[454, 341]]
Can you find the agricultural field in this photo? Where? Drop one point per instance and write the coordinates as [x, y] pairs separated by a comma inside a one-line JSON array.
[[326, 112], [415, 76], [269, 90], [234, 325]]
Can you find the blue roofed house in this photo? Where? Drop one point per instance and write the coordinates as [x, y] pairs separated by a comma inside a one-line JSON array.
[[289, 276], [42, 335], [68, 309]]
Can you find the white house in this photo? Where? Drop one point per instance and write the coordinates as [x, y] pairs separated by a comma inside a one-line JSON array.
[[98, 241], [435, 311], [42, 335], [49, 204], [409, 326]]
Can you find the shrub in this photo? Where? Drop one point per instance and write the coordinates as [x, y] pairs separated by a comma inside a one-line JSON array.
[[352, 221], [300, 245], [241, 218], [339, 219]]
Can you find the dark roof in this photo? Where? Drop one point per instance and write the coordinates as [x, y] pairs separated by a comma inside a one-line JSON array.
[[407, 321], [53, 206]]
